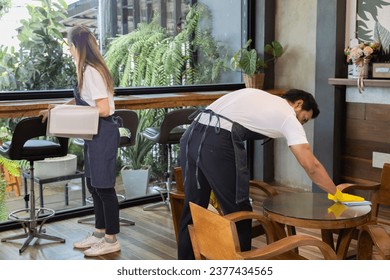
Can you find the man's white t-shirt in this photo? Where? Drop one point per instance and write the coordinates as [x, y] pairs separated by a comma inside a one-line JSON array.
[[94, 88], [259, 112]]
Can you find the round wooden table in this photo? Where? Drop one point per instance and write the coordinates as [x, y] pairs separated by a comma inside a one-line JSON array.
[[315, 210]]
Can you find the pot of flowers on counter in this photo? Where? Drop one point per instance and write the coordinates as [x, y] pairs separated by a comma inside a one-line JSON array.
[[359, 56], [253, 64]]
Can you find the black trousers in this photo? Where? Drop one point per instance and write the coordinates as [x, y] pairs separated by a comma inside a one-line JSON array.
[[106, 208], [217, 172]]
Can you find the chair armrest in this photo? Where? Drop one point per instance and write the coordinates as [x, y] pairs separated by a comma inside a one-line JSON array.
[[286, 245], [245, 215], [260, 220], [177, 195], [373, 234], [179, 179], [266, 188], [347, 187]]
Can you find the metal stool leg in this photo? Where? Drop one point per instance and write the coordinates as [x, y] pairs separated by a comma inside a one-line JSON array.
[[30, 225], [168, 183]]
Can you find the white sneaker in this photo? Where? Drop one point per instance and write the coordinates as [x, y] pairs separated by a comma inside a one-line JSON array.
[[87, 242], [102, 248]]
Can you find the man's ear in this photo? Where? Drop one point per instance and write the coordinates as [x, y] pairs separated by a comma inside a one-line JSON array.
[[298, 104]]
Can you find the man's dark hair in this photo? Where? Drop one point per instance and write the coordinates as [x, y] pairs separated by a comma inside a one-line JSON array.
[[309, 103]]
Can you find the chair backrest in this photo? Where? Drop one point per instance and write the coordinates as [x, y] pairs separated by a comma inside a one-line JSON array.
[[212, 236], [130, 121], [174, 119], [27, 129], [382, 195]]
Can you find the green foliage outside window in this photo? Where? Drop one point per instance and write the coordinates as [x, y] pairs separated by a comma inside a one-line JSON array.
[[149, 56], [40, 62], [4, 6]]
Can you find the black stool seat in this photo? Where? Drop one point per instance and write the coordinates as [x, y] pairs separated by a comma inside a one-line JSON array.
[[35, 149], [154, 134], [23, 146], [169, 133]]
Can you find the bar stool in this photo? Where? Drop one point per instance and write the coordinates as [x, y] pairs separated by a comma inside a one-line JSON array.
[[129, 122], [169, 132], [23, 146]]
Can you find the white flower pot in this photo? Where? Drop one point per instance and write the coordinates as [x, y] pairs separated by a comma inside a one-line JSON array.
[[356, 70], [55, 167], [135, 182]]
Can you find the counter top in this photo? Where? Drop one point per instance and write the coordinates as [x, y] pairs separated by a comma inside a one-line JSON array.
[[26, 108], [353, 82]]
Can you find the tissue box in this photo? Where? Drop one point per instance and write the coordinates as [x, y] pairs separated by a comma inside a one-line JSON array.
[[381, 70], [73, 121]]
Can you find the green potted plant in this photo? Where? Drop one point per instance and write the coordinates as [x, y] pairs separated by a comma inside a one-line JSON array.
[[9, 166], [252, 64], [136, 160], [3, 208]]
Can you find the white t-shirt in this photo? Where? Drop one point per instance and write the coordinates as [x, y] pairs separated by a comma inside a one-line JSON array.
[[95, 88], [260, 112]]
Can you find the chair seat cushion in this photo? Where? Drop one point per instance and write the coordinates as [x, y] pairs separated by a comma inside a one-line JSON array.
[[34, 150], [154, 134], [125, 137]]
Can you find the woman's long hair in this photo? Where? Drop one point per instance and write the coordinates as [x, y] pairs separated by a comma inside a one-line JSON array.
[[88, 54]]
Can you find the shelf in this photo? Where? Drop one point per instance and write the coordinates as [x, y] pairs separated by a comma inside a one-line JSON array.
[[353, 82]]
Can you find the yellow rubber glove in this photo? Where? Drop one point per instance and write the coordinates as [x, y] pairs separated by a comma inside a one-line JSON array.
[[336, 209], [344, 197]]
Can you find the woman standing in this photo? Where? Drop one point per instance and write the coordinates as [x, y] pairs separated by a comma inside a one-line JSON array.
[[96, 88]]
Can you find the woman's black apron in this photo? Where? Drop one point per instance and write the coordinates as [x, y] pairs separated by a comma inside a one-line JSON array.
[[100, 153]]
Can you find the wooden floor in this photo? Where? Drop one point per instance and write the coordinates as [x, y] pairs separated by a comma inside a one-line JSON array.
[[151, 238]]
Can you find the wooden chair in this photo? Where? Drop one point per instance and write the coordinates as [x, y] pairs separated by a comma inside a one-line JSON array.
[[378, 194], [215, 237], [13, 183], [370, 237], [177, 202]]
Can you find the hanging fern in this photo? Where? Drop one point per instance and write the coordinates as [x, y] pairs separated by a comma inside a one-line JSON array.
[[149, 56]]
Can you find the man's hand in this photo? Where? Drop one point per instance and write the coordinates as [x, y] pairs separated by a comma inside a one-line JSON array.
[[344, 197]]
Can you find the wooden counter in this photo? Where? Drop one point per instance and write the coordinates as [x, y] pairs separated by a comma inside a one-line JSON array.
[[353, 82], [26, 108]]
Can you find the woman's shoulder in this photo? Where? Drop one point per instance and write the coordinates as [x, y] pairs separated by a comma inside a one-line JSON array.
[[91, 70]]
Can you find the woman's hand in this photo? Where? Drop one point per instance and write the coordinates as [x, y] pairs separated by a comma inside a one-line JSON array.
[[45, 113]]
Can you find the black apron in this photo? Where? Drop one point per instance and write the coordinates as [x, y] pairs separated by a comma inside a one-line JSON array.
[[239, 135], [100, 153]]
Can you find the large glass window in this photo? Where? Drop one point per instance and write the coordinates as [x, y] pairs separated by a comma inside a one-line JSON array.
[[191, 42]]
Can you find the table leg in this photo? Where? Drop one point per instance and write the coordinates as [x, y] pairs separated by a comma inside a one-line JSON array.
[[41, 195], [343, 241], [327, 237], [83, 193], [280, 231]]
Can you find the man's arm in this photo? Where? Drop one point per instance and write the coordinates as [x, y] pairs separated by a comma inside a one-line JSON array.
[[314, 169]]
